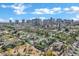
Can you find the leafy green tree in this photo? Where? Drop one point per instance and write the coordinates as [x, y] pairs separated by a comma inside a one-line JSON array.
[[18, 54], [66, 30], [1, 50]]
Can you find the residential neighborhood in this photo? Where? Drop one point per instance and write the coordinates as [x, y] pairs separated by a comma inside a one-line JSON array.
[[50, 37]]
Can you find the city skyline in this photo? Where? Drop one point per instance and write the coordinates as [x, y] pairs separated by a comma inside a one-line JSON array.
[[13, 11]]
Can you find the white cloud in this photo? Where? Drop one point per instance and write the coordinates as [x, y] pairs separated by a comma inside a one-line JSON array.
[[42, 18], [75, 8], [66, 9], [47, 11], [58, 9], [3, 20], [11, 18], [6, 20], [72, 9], [4, 6], [76, 18], [18, 8], [41, 11]]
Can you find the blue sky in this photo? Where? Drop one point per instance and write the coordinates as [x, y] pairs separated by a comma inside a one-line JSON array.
[[13, 11]]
